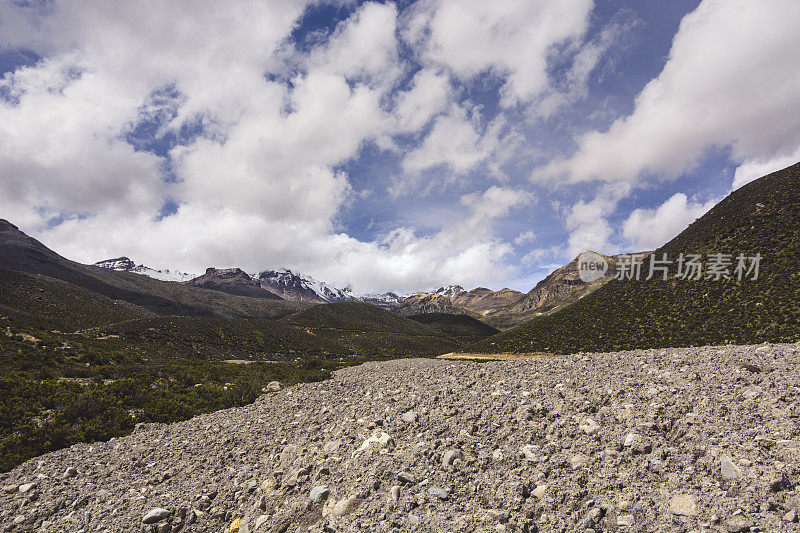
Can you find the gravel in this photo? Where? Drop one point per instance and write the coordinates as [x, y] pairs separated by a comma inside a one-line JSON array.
[[690, 439]]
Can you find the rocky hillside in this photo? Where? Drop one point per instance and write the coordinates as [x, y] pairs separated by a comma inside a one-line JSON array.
[[760, 219], [693, 439], [430, 302], [232, 281], [564, 286]]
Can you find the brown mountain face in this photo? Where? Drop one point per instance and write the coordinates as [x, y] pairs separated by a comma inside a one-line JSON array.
[[563, 287], [429, 302], [486, 300], [232, 281]]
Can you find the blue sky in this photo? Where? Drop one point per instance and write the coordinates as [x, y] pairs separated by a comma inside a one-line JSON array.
[[386, 145]]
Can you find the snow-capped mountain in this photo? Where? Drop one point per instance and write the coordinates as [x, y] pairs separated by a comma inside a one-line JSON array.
[[291, 286], [450, 291], [124, 264]]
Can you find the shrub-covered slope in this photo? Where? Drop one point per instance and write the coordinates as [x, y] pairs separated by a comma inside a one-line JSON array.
[[461, 327], [761, 217]]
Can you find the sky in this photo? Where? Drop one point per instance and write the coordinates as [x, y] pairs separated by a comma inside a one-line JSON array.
[[386, 145]]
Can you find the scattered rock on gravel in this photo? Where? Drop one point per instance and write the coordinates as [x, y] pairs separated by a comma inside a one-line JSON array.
[[716, 447]]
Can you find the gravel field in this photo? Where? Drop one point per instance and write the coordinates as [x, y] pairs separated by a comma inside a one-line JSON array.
[[689, 439]]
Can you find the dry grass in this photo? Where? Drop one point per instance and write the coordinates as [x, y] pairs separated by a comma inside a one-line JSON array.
[[496, 356]]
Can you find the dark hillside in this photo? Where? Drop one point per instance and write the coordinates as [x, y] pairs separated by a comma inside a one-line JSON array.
[[761, 217]]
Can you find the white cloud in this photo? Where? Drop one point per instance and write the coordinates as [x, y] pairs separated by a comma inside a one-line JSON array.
[[647, 229], [510, 38], [524, 238], [258, 186], [731, 80], [453, 142], [428, 96], [753, 169], [587, 222], [363, 47]]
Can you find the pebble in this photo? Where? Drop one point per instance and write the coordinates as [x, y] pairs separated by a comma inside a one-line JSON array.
[[319, 494], [70, 472], [346, 506], [450, 456], [409, 417], [156, 515], [438, 492], [683, 504], [729, 470], [406, 477], [589, 426]]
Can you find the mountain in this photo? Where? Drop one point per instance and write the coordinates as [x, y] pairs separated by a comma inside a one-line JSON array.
[[486, 300], [291, 286], [561, 288], [297, 287], [429, 302], [123, 264], [758, 220], [19, 252], [232, 281]]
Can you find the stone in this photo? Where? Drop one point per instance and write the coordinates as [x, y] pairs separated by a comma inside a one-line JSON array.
[[409, 417], [450, 456], [156, 515], [319, 494], [395, 492], [273, 386], [737, 524], [529, 452], [10, 488], [235, 526], [70, 472], [589, 426], [260, 521], [540, 491], [406, 477], [790, 516], [346, 506], [625, 520], [683, 505], [27, 487], [729, 470], [381, 438], [438, 492], [578, 460]]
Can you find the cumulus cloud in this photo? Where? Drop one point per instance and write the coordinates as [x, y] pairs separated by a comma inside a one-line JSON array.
[[452, 142], [728, 82], [587, 221], [511, 38], [647, 229], [428, 96], [255, 176]]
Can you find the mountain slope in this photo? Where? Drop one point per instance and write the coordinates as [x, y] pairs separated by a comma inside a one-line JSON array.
[[370, 330], [22, 253], [761, 217], [429, 302], [232, 281], [461, 327]]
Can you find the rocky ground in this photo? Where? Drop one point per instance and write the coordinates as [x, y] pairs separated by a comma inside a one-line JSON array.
[[696, 439]]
